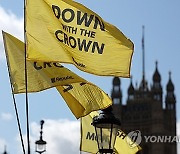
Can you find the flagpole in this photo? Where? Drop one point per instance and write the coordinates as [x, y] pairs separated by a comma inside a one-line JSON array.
[[14, 100], [26, 81]]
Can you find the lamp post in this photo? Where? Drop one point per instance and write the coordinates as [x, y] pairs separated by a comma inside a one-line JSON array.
[[41, 144], [106, 127]]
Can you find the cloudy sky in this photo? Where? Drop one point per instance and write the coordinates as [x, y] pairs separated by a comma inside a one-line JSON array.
[[61, 129]]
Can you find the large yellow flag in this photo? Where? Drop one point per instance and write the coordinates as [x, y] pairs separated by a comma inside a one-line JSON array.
[[89, 143], [81, 96], [66, 31]]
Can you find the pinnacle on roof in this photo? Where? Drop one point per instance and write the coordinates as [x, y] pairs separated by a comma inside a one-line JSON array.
[[170, 85], [116, 81], [156, 76], [131, 87]]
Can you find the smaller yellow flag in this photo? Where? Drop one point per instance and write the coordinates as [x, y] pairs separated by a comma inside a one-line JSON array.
[[89, 143], [41, 75], [81, 96]]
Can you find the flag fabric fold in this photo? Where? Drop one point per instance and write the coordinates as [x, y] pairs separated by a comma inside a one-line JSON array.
[[66, 31], [81, 96], [89, 143]]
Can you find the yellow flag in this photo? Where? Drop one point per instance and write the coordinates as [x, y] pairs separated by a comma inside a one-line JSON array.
[[66, 31], [81, 96], [89, 143]]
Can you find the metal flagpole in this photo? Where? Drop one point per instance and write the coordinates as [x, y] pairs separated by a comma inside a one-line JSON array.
[[14, 100], [26, 81]]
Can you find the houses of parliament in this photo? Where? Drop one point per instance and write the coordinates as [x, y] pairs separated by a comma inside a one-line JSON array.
[[147, 111]]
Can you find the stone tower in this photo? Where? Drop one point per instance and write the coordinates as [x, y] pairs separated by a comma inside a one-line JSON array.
[[146, 111]]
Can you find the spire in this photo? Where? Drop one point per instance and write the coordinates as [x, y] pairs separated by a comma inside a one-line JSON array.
[[170, 96], [131, 88], [143, 59], [156, 87], [156, 76], [116, 81], [143, 85], [170, 85], [116, 93]]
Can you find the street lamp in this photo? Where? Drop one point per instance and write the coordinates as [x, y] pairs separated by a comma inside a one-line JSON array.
[[106, 127], [41, 144]]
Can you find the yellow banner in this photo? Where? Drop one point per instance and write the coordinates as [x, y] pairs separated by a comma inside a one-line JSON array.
[[89, 143], [66, 31], [81, 96]]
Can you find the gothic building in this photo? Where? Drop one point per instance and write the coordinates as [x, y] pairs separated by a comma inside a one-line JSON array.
[[146, 111]]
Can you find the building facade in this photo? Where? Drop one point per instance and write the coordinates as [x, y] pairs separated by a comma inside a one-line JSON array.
[[147, 111]]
